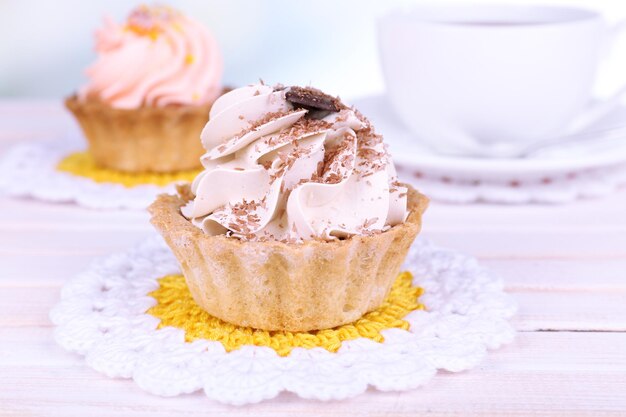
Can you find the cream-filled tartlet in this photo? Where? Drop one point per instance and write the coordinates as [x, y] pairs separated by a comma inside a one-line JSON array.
[[149, 91], [298, 221]]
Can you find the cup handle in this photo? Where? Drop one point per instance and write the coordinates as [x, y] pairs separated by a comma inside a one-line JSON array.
[[600, 109]]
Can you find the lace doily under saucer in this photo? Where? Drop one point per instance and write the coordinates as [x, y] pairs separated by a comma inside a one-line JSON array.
[[59, 172], [550, 190], [131, 316]]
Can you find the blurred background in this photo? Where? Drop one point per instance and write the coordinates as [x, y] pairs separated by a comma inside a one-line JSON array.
[[46, 45]]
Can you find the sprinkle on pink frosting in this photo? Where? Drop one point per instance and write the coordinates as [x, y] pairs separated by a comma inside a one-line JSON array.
[[159, 57]]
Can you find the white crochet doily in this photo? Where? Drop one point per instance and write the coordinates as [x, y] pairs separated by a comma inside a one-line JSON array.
[[102, 315], [555, 190], [30, 171]]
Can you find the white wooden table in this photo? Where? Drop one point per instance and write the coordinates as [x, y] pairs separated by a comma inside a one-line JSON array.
[[565, 265]]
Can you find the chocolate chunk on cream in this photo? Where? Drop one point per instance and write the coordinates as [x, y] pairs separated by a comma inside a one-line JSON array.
[[312, 99]]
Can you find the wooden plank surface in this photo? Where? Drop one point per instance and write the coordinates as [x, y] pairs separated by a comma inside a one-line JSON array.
[[565, 265], [550, 373]]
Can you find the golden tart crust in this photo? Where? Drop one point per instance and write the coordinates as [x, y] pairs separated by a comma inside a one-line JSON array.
[[273, 285], [147, 139]]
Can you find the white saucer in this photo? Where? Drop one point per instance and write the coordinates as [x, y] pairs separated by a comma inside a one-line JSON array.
[[410, 154]]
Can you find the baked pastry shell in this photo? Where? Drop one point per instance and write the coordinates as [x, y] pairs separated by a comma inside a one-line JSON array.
[[273, 285], [146, 139]]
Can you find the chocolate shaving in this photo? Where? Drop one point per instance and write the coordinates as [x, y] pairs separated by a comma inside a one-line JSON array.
[[312, 99], [369, 222]]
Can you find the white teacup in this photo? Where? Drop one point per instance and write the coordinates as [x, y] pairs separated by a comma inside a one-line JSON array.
[[467, 78]]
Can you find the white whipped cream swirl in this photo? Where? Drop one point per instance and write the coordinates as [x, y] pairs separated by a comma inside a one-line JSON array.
[[272, 173]]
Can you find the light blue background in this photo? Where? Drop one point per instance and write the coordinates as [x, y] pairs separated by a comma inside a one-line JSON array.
[[331, 44]]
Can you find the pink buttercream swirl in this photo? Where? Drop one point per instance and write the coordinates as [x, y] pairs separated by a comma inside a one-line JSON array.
[[159, 57]]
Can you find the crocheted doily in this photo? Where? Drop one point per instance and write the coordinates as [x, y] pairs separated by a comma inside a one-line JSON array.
[[103, 315], [176, 307], [551, 190], [82, 164], [58, 173]]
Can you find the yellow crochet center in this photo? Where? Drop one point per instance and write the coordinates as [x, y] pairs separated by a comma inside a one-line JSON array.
[[83, 165], [175, 307]]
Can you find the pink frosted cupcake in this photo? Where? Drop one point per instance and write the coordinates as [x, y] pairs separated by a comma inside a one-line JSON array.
[[149, 91]]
